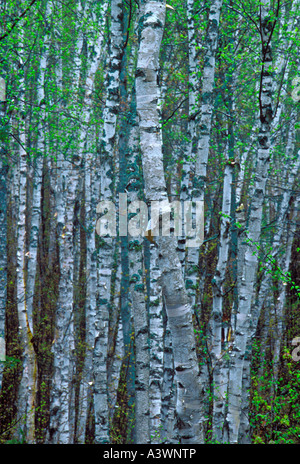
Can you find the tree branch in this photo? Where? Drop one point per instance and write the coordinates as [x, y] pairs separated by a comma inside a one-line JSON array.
[[17, 20]]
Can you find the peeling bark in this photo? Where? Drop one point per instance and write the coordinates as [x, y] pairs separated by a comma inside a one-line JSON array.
[[188, 407]]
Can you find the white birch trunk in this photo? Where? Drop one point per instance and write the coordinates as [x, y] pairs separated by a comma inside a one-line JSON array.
[[113, 374], [142, 358], [137, 301], [205, 124], [168, 408], [156, 348], [219, 346], [107, 250], [3, 231], [37, 179], [61, 429], [87, 146], [116, 344], [188, 407], [27, 388], [247, 259]]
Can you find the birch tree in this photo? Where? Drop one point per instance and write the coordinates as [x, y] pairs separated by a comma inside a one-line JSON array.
[[188, 404], [205, 122], [3, 227], [107, 251], [87, 145], [248, 260], [27, 388], [62, 425]]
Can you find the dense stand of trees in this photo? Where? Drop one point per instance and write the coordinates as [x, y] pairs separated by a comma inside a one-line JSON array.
[[118, 338]]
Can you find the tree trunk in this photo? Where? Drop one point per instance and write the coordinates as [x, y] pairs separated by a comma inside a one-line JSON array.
[[106, 256], [3, 229], [61, 430], [156, 348], [247, 253], [87, 146], [220, 331], [27, 388], [205, 124], [188, 407]]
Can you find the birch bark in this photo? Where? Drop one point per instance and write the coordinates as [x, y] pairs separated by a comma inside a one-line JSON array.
[[87, 147], [27, 388], [188, 407], [37, 178], [63, 344], [219, 331], [247, 258], [205, 124], [62, 427], [137, 287], [3, 228], [116, 344], [106, 256], [168, 407], [156, 348]]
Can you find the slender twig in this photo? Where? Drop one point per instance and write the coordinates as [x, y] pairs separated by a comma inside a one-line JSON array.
[[17, 20]]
